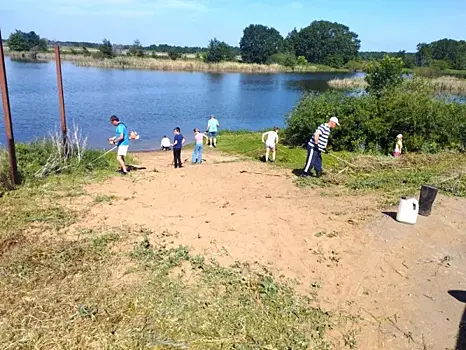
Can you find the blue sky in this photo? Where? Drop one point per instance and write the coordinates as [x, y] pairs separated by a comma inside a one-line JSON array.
[[388, 25]]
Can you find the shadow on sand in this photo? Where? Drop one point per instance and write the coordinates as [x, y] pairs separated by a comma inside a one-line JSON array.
[[460, 295]]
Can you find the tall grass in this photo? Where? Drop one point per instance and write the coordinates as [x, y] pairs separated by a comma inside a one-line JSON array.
[[49, 156], [440, 84], [188, 65]]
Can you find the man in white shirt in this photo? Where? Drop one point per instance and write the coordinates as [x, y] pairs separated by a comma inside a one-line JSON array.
[[270, 143], [165, 143]]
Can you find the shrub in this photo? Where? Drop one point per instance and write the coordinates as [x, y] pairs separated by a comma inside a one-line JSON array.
[[384, 75], [219, 51], [301, 61], [371, 123], [286, 59], [174, 55]]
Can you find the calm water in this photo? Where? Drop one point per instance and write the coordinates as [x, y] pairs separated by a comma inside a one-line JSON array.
[[150, 102]]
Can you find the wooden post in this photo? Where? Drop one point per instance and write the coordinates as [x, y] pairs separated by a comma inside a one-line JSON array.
[[61, 99]]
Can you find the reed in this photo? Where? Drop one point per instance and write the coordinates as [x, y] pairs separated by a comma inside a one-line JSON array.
[[347, 83], [161, 63], [441, 84]]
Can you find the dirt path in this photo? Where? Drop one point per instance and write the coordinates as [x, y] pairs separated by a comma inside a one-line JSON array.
[[395, 277]]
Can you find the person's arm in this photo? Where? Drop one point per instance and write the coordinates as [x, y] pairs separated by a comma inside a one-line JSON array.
[[263, 136], [183, 141], [161, 143], [316, 137]]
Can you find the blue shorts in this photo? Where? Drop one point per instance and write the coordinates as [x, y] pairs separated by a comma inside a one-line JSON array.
[[212, 134]]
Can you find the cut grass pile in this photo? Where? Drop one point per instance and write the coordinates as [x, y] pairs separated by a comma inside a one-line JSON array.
[[386, 176], [62, 288]]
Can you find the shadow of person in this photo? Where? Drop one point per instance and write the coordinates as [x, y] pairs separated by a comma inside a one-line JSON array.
[[460, 295], [297, 172]]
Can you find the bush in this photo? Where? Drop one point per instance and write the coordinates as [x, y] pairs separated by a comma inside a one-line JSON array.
[[384, 75], [301, 61], [285, 59], [174, 55], [219, 51], [355, 66], [371, 123]]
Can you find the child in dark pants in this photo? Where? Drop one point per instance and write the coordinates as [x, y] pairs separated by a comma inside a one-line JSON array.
[[178, 143]]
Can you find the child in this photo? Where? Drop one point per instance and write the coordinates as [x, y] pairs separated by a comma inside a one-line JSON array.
[[270, 143], [198, 147], [178, 143], [398, 146], [165, 143]]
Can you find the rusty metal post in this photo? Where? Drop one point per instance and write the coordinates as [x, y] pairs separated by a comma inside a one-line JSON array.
[[7, 115], [61, 98]]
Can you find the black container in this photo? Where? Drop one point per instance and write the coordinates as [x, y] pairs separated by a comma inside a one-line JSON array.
[[426, 199]]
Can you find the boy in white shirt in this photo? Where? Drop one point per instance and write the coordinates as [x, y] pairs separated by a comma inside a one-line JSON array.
[[270, 143], [165, 143]]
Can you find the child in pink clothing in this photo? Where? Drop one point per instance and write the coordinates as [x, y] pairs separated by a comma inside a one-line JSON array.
[[198, 147]]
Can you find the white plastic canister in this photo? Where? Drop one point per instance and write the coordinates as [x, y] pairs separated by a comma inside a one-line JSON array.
[[408, 210]]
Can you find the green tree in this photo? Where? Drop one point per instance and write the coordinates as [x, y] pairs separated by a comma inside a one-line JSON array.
[[289, 44], [259, 43], [384, 75], [21, 41], [326, 42], [423, 55], [136, 49], [286, 59], [301, 61], [174, 55], [86, 51], [106, 49], [219, 51]]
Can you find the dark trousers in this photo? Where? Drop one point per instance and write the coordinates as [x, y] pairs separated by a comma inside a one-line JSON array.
[[313, 160], [177, 157]]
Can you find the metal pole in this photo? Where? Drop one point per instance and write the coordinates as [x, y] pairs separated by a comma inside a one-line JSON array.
[[7, 115], [61, 98]]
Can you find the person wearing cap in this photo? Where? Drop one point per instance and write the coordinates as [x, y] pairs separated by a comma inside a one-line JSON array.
[[316, 145], [270, 143], [398, 146]]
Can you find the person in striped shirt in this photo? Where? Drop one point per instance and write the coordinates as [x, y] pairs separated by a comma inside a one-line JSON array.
[[316, 145]]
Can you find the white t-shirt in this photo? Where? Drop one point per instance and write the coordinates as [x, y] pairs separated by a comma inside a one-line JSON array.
[[165, 142], [272, 138]]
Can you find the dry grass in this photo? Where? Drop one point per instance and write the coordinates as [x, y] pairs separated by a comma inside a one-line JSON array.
[[449, 84], [347, 83], [441, 84], [163, 64]]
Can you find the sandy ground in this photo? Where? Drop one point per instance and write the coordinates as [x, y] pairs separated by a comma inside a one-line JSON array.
[[394, 277]]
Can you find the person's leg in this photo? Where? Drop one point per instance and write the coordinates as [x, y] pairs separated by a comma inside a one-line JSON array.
[[211, 138], [267, 151], [175, 159], [195, 156], [199, 154], [215, 140], [274, 153], [309, 160], [318, 163], [178, 157], [122, 150]]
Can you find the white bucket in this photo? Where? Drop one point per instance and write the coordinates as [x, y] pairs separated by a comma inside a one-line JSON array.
[[408, 210]]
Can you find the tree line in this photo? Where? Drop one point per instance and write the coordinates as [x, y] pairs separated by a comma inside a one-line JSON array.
[[322, 42]]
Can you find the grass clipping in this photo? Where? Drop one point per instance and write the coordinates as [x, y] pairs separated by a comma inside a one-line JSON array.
[[83, 294]]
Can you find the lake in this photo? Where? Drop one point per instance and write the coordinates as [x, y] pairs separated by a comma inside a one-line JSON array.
[[150, 102]]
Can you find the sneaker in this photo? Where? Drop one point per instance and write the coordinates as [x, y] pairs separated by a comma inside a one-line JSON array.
[[319, 174], [303, 174]]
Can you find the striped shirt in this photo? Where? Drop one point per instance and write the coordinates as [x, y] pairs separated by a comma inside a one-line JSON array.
[[324, 132]]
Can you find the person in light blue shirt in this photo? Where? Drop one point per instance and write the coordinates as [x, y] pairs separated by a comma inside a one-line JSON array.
[[121, 140], [212, 130]]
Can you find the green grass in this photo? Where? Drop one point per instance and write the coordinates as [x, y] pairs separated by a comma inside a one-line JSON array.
[[86, 292], [385, 176]]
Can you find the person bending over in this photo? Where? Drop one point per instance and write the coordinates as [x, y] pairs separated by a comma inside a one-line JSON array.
[[270, 143]]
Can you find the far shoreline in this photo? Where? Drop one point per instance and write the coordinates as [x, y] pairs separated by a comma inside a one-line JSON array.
[[180, 65]]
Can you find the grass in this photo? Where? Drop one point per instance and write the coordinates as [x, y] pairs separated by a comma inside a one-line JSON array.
[[386, 177], [440, 84], [59, 291], [188, 64]]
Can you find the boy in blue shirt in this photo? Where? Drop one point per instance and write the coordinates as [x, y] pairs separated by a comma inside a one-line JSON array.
[[121, 140], [178, 143]]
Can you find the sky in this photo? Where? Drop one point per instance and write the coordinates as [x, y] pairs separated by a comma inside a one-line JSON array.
[[382, 25]]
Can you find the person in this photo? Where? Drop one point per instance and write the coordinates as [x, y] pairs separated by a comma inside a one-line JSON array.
[[121, 140], [316, 145], [198, 147], [165, 143], [212, 130], [178, 143], [398, 146], [270, 143]]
